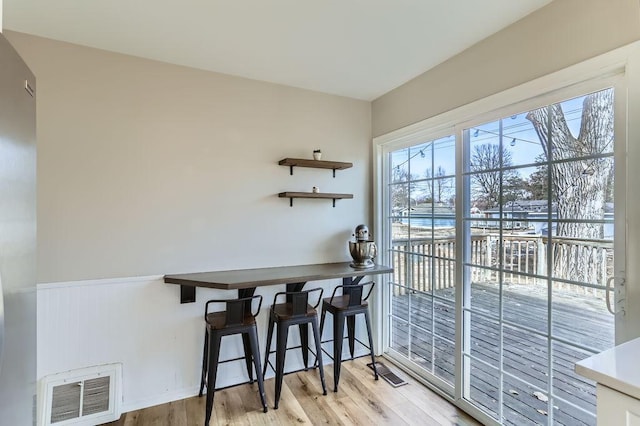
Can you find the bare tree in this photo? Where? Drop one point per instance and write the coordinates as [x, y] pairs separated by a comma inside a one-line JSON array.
[[579, 187], [486, 162], [441, 188], [400, 191]]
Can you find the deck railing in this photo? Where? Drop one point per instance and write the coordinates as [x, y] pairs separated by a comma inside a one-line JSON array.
[[425, 263]]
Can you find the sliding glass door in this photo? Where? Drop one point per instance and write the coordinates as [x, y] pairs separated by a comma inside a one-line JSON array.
[[503, 235], [421, 219]]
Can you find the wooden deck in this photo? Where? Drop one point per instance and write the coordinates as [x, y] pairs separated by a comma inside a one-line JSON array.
[[576, 318]]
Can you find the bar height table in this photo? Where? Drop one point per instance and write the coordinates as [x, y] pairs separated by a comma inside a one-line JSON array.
[[246, 280], [295, 277]]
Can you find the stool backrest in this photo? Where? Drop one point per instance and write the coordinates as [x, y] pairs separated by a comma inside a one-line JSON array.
[[236, 310], [355, 292], [299, 300]]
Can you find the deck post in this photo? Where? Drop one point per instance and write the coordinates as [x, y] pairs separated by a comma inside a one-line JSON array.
[[488, 259], [541, 257]]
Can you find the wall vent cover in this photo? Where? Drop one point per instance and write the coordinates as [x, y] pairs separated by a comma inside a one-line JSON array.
[[87, 396]]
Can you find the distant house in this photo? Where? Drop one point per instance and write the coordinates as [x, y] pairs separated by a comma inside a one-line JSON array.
[[531, 216], [427, 214]]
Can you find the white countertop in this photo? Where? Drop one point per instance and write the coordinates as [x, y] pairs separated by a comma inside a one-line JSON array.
[[617, 368]]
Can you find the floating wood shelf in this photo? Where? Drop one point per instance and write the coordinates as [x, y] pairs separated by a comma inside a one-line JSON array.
[[316, 164], [325, 195]]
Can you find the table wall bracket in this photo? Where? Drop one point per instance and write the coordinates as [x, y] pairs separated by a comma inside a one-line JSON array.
[[187, 294]]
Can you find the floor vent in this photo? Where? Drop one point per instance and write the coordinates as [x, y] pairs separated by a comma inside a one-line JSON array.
[[388, 375], [88, 396]]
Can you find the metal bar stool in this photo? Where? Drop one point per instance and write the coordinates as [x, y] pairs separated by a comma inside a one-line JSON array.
[[347, 306], [237, 318], [296, 310]]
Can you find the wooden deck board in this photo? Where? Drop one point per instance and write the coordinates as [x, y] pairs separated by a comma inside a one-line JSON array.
[[524, 353]]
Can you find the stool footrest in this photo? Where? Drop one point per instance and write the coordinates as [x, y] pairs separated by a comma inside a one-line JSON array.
[[293, 347], [346, 337], [232, 359], [315, 364], [311, 367], [356, 339], [234, 385], [348, 359]]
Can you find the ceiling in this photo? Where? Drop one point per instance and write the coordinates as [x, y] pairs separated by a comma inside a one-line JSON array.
[[355, 48]]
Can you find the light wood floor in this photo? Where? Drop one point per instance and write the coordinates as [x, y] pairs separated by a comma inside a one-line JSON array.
[[360, 400]]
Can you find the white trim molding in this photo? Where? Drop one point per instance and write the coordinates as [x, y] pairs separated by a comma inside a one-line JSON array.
[[101, 281]]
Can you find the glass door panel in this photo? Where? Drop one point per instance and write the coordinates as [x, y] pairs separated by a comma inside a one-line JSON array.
[[504, 233], [538, 226], [421, 196]]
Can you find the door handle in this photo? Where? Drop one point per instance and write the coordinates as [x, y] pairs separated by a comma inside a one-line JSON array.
[[608, 290]]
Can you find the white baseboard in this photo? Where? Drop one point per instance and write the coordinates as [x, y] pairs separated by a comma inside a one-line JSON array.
[[163, 398]]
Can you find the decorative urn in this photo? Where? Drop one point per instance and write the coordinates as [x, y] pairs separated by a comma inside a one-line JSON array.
[[362, 250]]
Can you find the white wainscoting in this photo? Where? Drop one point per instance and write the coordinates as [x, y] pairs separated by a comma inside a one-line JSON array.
[[140, 323]]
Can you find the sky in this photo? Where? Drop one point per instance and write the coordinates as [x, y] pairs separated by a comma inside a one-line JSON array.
[[518, 136]]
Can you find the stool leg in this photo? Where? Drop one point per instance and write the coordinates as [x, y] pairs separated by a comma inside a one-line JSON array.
[[373, 358], [281, 351], [255, 351], [351, 332], [319, 349], [247, 355], [268, 349], [214, 353], [324, 313], [205, 355], [304, 344], [316, 336], [338, 336]]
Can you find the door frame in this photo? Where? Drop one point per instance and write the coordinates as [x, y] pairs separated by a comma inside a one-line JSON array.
[[621, 65]]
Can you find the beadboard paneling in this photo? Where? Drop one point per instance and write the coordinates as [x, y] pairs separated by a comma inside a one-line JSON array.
[[140, 323]]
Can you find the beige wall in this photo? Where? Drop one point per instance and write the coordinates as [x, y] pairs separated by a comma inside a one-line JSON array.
[[148, 168], [560, 34]]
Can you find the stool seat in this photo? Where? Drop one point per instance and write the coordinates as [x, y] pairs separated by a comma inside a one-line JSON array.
[[345, 308], [218, 320], [341, 303], [284, 311], [296, 311]]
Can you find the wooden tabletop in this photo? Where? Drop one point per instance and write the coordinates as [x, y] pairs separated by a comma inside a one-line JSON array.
[[249, 278]]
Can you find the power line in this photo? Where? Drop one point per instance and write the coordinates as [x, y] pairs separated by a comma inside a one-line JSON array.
[[476, 131]]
